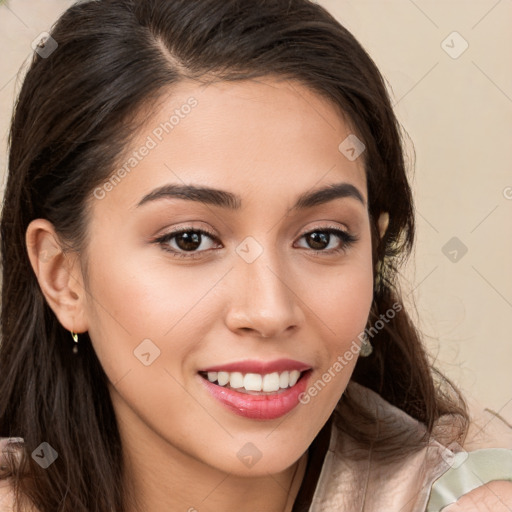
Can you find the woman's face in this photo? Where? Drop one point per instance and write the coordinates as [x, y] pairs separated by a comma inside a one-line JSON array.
[[267, 292]]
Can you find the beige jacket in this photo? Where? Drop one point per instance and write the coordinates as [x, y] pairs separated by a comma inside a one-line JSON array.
[[413, 484]]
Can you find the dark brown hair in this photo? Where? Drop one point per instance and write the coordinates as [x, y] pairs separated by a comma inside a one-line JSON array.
[[74, 117]]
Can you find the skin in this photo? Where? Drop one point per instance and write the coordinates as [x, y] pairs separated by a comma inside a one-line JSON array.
[[268, 141]]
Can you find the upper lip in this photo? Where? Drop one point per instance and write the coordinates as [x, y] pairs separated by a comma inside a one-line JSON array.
[[261, 367]]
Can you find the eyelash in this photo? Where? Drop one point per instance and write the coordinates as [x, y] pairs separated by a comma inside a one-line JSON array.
[[347, 239]]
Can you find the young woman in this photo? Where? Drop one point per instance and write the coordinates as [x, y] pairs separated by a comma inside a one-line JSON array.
[[206, 208]]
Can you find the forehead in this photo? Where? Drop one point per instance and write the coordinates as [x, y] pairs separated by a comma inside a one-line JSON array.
[[264, 137]]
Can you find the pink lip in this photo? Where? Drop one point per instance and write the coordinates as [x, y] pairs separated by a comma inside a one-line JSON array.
[[261, 367], [260, 407]]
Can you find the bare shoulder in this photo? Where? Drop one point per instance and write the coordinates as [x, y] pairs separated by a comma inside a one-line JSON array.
[[495, 496], [6, 496], [7, 500]]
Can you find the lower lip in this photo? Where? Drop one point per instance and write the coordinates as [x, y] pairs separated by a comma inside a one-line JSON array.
[[259, 407]]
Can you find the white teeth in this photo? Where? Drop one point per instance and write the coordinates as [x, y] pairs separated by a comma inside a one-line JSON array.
[[222, 378], [268, 383], [294, 377], [252, 382], [236, 380]]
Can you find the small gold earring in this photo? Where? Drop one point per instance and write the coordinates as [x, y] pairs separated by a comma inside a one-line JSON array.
[[74, 335], [366, 347]]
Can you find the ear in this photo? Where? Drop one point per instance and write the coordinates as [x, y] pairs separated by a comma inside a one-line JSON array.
[[383, 223], [59, 275]]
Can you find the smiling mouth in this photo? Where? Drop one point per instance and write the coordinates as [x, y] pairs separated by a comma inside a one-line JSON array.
[[254, 383]]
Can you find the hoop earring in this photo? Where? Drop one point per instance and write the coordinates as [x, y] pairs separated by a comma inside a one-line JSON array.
[[74, 335], [366, 347]]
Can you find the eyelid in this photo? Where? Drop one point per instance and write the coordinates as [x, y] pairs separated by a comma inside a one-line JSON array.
[[184, 228], [321, 227]]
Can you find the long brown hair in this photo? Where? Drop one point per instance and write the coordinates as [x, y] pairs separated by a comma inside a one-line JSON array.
[[74, 117]]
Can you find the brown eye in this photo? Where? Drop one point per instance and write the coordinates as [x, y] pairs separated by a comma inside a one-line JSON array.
[[188, 240], [183, 241], [319, 239]]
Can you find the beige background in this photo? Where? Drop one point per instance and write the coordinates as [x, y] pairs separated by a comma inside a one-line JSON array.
[[458, 113]]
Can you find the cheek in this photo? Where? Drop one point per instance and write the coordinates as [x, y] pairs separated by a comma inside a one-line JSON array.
[[152, 321], [143, 326], [138, 298], [341, 304], [345, 301], [342, 297]]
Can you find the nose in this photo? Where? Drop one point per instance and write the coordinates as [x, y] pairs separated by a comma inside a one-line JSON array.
[[263, 300]]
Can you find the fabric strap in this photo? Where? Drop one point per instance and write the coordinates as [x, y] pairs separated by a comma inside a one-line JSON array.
[[468, 471]]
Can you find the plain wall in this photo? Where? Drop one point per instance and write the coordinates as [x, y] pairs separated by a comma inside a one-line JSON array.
[[457, 110]]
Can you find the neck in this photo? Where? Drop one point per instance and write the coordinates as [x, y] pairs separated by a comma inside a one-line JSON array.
[[161, 477], [162, 486]]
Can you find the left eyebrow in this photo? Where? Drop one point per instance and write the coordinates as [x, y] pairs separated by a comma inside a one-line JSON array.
[[229, 200], [329, 193]]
